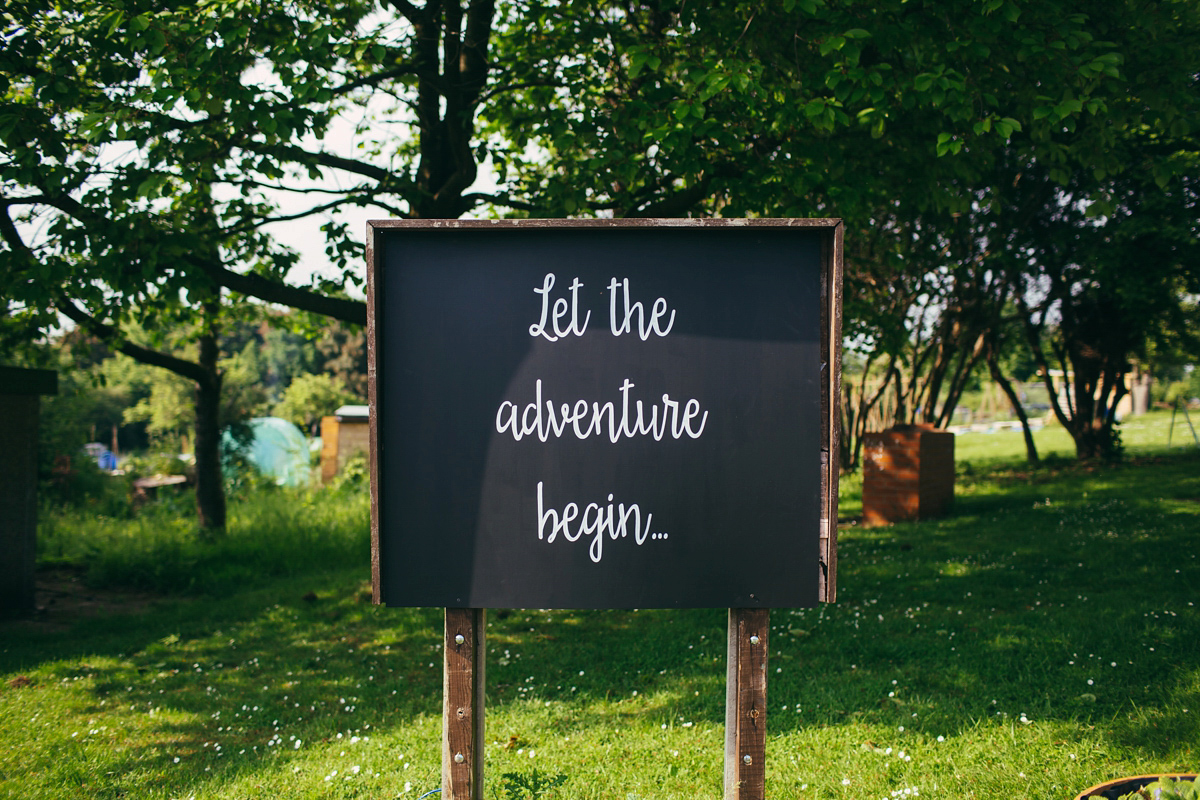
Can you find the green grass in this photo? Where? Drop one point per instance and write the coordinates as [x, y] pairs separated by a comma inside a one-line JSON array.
[[1144, 435], [271, 533], [1043, 638]]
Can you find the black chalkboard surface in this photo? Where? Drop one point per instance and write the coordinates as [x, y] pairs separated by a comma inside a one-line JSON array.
[[598, 415]]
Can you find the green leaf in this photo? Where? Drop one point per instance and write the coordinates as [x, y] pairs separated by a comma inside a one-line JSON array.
[[150, 186], [637, 60], [113, 21], [91, 127], [158, 41], [1068, 107], [832, 44]]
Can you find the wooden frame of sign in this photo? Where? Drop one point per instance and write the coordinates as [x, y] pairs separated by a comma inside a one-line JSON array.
[[604, 414]]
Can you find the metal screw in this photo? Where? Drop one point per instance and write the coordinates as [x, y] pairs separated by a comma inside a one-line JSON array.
[[753, 640], [458, 758], [747, 760], [459, 639]]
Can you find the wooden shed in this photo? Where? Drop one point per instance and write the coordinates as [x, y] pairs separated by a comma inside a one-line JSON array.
[[343, 435]]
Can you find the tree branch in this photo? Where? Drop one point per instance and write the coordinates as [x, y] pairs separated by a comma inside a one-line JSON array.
[[410, 12], [679, 203], [182, 367], [676, 204], [374, 78], [324, 159], [512, 87], [258, 223], [271, 291], [500, 200]]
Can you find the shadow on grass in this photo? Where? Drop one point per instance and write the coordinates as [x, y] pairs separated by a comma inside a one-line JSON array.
[[1065, 596]]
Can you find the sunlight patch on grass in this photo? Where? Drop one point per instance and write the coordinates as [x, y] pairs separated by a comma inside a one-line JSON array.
[[1044, 638]]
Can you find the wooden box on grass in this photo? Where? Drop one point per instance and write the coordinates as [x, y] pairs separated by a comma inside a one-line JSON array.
[[908, 474]]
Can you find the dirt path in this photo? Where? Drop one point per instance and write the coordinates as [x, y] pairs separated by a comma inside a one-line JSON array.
[[63, 599]]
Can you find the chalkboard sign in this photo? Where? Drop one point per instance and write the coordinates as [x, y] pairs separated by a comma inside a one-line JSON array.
[[603, 414]]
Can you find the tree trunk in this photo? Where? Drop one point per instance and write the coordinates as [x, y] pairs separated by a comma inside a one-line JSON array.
[[1031, 454], [210, 485], [1089, 443], [858, 420]]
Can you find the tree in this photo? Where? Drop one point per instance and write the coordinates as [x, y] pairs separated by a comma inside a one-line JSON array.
[[1104, 285], [165, 401], [131, 138], [792, 108], [342, 352], [311, 397], [901, 117], [144, 137]]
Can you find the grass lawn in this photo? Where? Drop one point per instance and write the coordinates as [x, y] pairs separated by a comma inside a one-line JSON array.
[[1042, 638]]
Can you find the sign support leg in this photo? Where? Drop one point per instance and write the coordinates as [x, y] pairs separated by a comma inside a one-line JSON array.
[[746, 704], [463, 663]]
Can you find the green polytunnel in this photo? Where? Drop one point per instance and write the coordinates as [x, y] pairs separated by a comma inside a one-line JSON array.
[[278, 449]]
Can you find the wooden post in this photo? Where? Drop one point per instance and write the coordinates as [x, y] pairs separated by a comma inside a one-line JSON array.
[[19, 410], [463, 662], [746, 704]]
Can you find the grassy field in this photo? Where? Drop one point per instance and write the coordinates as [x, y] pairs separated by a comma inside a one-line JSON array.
[[1042, 638]]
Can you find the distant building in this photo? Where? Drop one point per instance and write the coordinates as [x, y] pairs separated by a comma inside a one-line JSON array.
[[343, 435], [1135, 401]]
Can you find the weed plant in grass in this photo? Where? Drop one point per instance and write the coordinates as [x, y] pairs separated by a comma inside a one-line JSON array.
[[1041, 639]]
